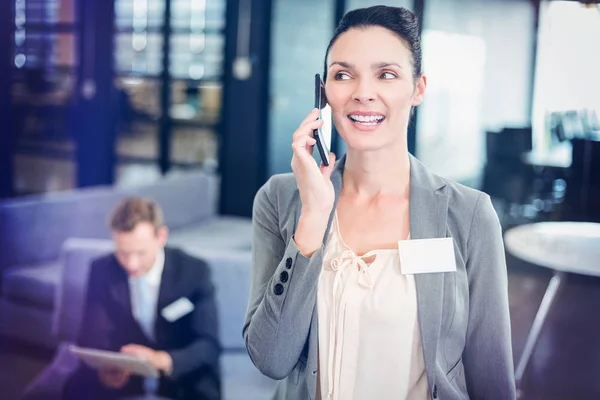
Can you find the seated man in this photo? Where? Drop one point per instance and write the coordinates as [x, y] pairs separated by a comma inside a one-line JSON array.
[[153, 302]]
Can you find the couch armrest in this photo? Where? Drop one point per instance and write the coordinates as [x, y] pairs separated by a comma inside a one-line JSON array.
[[231, 275], [50, 383], [76, 255]]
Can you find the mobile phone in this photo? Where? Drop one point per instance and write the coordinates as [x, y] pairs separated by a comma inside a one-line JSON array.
[[323, 134]]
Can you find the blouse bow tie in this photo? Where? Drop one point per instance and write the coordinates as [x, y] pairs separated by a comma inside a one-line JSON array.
[[336, 318], [349, 258]]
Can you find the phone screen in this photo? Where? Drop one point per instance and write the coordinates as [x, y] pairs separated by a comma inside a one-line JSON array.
[[323, 135]]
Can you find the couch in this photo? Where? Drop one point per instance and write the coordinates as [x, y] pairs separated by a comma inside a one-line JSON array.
[[48, 242], [33, 230]]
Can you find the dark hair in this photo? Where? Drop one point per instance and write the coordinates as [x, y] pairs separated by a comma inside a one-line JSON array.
[[398, 20]]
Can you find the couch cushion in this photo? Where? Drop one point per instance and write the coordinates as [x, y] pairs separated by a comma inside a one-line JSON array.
[[33, 229], [185, 198], [225, 244], [32, 285], [220, 233], [231, 276], [77, 256], [91, 210]]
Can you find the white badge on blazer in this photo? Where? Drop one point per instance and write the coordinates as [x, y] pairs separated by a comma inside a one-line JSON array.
[[422, 256], [177, 309]]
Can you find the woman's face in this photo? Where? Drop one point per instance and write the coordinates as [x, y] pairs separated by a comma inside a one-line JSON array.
[[370, 87]]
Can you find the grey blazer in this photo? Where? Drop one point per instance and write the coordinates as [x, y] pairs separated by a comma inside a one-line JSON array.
[[463, 315]]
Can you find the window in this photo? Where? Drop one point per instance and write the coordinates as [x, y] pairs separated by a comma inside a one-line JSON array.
[[567, 66]]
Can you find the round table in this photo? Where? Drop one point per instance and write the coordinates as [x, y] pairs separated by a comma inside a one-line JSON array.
[[564, 247]]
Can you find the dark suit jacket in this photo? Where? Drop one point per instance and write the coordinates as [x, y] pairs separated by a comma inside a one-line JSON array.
[[192, 340]]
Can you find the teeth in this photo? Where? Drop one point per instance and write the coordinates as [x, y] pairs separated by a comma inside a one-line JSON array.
[[367, 119]]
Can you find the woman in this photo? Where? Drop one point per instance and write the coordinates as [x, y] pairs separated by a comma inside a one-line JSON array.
[[333, 311]]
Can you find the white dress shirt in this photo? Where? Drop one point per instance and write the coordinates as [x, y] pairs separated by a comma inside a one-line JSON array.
[[152, 280]]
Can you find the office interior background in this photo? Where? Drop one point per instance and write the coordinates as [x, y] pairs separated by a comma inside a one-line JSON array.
[[193, 102]]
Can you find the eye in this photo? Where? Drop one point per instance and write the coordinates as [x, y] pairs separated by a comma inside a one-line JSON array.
[[341, 76], [388, 75]]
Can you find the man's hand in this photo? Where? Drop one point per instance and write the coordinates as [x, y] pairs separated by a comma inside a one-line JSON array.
[[113, 378], [159, 359]]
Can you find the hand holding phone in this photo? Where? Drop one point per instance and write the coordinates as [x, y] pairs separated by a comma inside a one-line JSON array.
[[314, 182]]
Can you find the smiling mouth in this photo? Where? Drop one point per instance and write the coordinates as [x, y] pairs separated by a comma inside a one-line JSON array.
[[370, 120]]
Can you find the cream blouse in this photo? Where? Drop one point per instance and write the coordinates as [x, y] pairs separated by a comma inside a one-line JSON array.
[[369, 337]]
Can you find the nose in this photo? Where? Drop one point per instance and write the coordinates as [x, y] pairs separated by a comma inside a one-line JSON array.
[[365, 92], [132, 264]]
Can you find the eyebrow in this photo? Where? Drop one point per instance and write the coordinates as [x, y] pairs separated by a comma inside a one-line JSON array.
[[378, 65]]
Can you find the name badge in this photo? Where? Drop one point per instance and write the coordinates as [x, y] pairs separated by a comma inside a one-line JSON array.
[[423, 256], [177, 309]]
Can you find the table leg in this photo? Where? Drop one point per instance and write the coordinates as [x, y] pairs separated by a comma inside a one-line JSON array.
[[538, 322]]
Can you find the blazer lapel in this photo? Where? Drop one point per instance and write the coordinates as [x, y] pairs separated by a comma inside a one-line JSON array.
[[121, 294], [428, 214], [168, 283], [120, 289]]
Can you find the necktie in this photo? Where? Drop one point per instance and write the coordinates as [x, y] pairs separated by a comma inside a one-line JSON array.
[[145, 314], [144, 306]]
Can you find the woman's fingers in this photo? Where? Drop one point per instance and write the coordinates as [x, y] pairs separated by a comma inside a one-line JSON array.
[[313, 115], [303, 140], [303, 146], [307, 127], [326, 171]]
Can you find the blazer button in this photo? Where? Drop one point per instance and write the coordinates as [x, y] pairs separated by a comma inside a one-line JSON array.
[[288, 263], [284, 277], [314, 372], [434, 391], [278, 289]]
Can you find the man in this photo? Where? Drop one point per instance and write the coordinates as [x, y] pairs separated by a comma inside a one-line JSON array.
[[153, 302]]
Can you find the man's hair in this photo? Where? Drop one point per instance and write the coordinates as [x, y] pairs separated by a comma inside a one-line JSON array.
[[134, 210]]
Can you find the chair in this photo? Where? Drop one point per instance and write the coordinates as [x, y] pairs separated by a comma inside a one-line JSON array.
[[506, 177], [583, 184]]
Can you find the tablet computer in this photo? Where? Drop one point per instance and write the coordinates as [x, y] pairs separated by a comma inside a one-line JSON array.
[[99, 359]]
